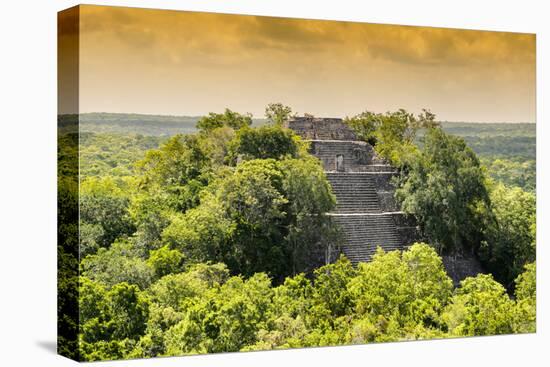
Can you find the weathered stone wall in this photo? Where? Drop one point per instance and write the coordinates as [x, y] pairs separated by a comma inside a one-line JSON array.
[[358, 156], [312, 128], [387, 201], [460, 267]]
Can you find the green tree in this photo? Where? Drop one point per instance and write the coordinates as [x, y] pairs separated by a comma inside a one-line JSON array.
[[178, 290], [254, 201], [217, 143], [526, 300], [180, 168], [445, 190], [119, 263], [227, 321], [265, 142], [91, 238], [150, 212], [526, 283], [228, 118], [330, 287], [511, 236], [479, 307], [265, 215], [110, 320], [91, 307], [169, 181], [431, 286], [104, 214], [202, 233], [309, 196], [519, 171], [284, 332], [171, 297], [277, 113], [392, 133], [409, 288], [128, 309], [293, 297], [365, 126], [165, 261]]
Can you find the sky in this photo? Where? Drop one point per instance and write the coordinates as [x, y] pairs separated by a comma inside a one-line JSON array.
[[190, 63]]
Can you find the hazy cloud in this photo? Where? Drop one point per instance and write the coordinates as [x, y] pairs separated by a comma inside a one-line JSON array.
[[148, 60]]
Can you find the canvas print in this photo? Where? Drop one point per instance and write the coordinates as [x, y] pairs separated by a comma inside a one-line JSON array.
[[233, 183]]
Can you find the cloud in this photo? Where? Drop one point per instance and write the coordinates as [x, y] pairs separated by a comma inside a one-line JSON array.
[[167, 56], [449, 47], [185, 33]]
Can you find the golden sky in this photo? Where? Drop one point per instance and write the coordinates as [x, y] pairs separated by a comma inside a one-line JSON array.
[[189, 63]]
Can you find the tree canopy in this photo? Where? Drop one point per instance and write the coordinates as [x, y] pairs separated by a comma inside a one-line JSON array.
[[445, 190], [277, 113], [392, 133], [445, 186], [202, 309], [211, 242], [228, 118], [266, 215], [510, 242]]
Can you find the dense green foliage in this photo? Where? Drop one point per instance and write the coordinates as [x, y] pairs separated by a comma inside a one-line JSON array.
[[207, 242], [67, 243], [526, 299], [264, 216], [443, 184], [229, 118], [515, 171], [265, 142], [103, 214], [202, 309], [113, 154], [250, 197], [507, 150], [392, 133], [277, 113], [445, 190], [511, 234]]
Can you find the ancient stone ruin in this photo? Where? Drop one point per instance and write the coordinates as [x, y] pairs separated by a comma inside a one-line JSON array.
[[366, 211]]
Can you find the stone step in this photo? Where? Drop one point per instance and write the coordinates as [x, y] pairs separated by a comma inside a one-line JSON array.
[[355, 195], [365, 210], [362, 234]]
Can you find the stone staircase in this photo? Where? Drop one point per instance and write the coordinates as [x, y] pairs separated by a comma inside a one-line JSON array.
[[363, 223], [355, 192], [363, 233], [365, 211]]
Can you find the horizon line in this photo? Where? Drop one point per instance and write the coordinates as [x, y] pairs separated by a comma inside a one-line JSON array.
[[263, 118]]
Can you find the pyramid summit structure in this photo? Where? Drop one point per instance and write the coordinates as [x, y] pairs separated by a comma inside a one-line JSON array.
[[366, 211]]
